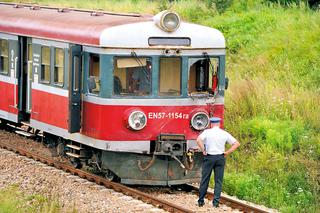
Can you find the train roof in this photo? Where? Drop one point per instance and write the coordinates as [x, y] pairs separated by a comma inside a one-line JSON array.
[[98, 28]]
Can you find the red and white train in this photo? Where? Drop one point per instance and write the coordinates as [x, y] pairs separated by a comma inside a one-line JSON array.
[[125, 95]]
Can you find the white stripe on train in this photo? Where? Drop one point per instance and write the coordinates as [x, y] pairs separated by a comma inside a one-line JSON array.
[[8, 116]]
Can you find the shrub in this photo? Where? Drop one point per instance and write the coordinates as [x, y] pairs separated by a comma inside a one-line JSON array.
[[219, 5]]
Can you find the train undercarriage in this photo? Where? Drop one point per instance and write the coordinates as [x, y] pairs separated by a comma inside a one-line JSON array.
[[170, 163]]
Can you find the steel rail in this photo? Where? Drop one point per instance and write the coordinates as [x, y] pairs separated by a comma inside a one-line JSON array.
[[170, 207], [235, 204]]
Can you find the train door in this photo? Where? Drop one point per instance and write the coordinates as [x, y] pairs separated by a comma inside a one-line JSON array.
[[25, 78], [9, 70], [75, 89]]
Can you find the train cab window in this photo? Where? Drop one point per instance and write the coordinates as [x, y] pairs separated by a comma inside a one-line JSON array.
[[30, 52], [4, 57], [45, 65], [202, 74], [170, 77], [132, 76], [58, 66], [94, 74]]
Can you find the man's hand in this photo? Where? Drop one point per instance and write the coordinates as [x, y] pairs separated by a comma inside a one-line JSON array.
[[232, 148], [204, 153]]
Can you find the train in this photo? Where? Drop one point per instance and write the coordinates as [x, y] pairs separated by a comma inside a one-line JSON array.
[[123, 95]]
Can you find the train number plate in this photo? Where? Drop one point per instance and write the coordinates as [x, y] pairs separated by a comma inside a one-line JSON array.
[[167, 115]]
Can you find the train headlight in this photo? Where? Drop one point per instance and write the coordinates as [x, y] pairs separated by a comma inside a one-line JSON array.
[[200, 121], [167, 20], [137, 120]]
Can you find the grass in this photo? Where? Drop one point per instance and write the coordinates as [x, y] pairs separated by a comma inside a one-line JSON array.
[[272, 105], [12, 200]]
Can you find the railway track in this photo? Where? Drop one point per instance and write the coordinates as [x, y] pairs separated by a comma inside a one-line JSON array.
[[129, 191]]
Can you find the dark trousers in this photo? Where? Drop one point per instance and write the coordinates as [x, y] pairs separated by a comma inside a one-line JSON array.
[[216, 163]]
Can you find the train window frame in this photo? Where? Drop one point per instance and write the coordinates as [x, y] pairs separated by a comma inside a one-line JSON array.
[[56, 83], [212, 69], [170, 94], [42, 80], [128, 76], [7, 73], [94, 80]]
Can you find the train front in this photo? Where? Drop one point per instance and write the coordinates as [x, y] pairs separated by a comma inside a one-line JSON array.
[[168, 78]]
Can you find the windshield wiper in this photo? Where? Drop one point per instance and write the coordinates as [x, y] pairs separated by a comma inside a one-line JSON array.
[[134, 54], [205, 54]]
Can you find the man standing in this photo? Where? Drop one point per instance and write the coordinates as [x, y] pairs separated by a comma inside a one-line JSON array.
[[212, 144]]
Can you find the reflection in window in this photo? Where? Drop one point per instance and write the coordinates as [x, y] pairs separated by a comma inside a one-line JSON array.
[[94, 74], [4, 57], [58, 66], [132, 76], [202, 74], [170, 77], [45, 64]]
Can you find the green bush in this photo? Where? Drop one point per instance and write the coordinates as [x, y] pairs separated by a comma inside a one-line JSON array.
[[219, 5], [282, 136]]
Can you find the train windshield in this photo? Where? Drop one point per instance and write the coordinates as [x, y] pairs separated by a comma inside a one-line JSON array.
[[202, 75], [132, 76], [170, 77]]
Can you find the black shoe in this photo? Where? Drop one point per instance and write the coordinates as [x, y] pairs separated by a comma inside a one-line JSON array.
[[200, 204], [215, 205]]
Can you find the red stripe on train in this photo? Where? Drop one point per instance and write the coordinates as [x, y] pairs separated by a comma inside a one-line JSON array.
[[49, 108], [109, 122], [7, 102]]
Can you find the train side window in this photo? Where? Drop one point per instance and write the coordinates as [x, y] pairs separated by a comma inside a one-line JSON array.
[[170, 77], [94, 74], [202, 74], [45, 64], [4, 57], [59, 67], [132, 76]]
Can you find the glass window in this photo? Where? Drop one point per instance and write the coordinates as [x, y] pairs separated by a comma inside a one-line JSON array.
[[4, 57], [29, 52], [59, 66], [132, 76], [170, 77], [202, 74], [45, 64], [76, 72], [94, 74], [30, 61]]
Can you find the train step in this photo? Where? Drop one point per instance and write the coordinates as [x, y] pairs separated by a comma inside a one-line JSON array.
[[74, 147], [24, 133], [73, 155]]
